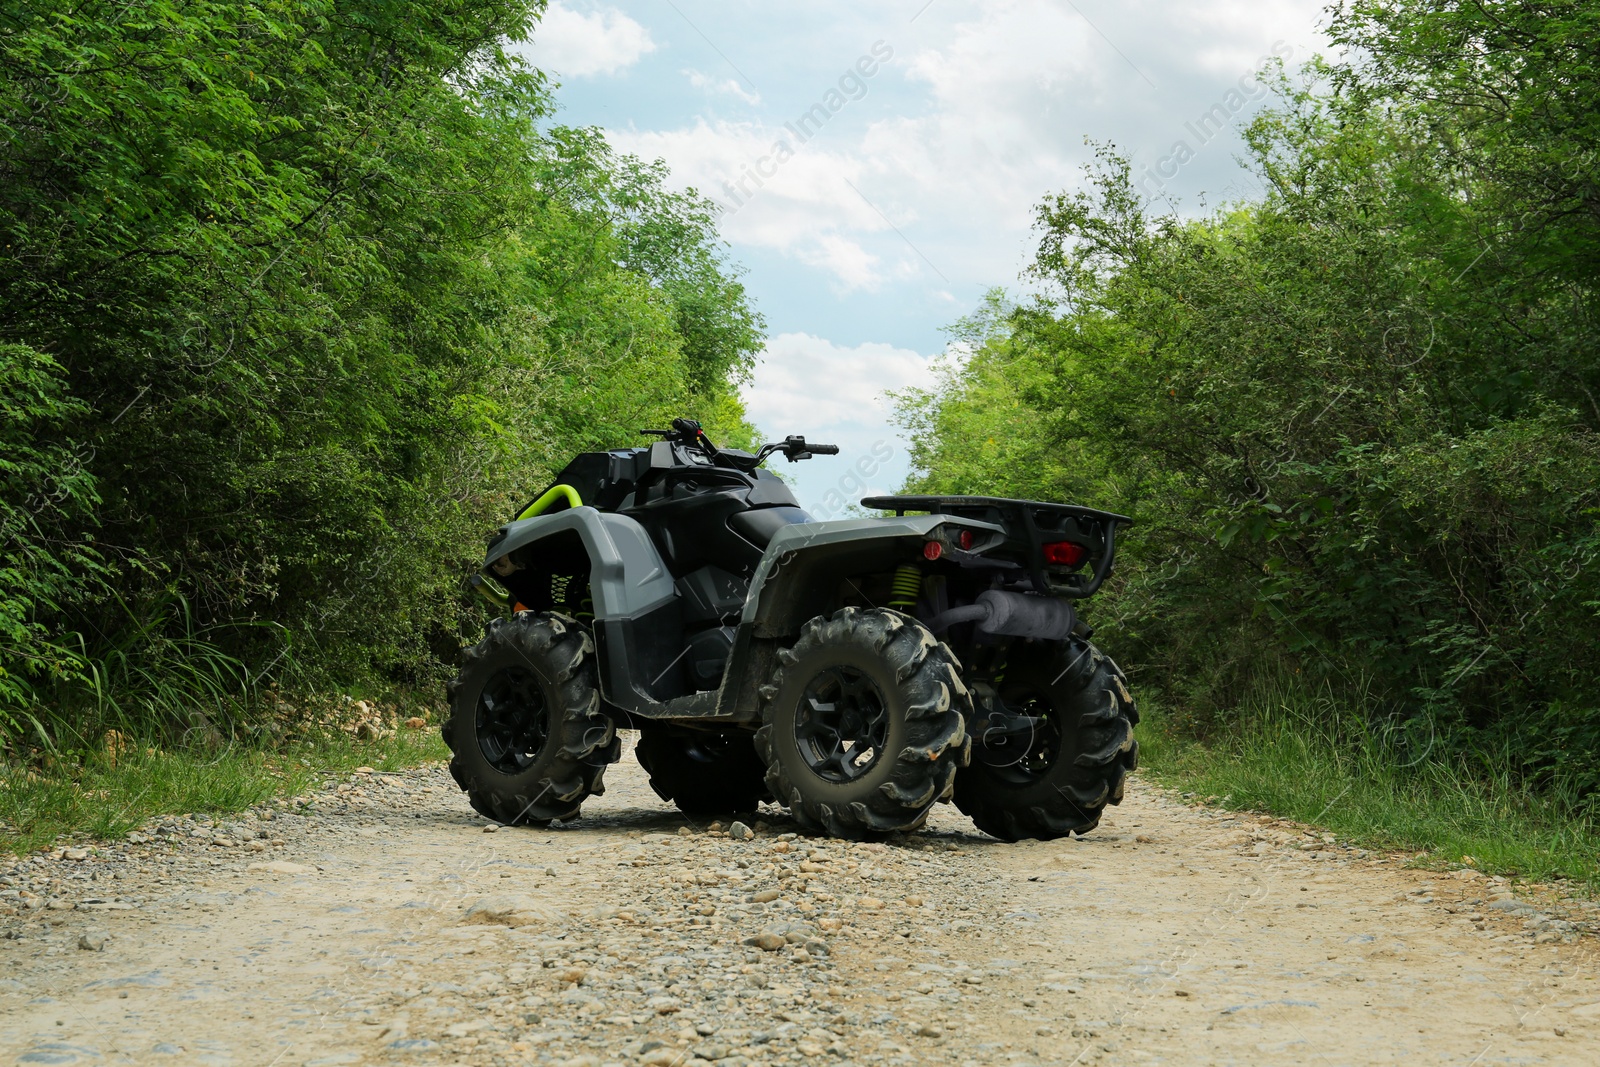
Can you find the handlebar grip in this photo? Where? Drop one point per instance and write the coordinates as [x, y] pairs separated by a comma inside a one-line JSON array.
[[823, 450]]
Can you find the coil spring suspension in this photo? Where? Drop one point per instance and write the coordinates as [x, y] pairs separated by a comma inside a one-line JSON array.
[[561, 594], [905, 589]]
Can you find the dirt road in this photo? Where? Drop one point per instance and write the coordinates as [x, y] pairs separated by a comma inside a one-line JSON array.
[[385, 926]]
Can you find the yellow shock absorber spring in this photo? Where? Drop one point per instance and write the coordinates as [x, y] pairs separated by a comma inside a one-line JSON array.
[[905, 589]]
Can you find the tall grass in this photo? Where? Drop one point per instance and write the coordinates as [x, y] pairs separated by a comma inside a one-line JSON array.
[[159, 673], [154, 674], [104, 795], [1308, 758], [152, 715]]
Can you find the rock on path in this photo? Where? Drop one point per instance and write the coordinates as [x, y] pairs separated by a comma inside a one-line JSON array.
[[381, 925]]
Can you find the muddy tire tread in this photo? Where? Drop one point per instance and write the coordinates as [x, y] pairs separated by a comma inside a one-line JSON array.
[[585, 737], [937, 705], [1104, 713]]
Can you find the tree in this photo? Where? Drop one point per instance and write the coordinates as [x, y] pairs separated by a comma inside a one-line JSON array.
[[1354, 419], [321, 294]]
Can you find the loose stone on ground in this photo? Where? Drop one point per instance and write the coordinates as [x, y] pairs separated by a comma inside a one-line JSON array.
[[379, 924]]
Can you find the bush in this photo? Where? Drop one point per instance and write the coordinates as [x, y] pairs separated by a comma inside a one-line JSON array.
[[47, 499]]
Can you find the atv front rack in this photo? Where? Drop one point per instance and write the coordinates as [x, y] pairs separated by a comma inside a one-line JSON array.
[[1029, 526]]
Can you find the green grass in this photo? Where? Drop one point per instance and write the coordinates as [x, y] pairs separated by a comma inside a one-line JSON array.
[[1288, 762], [93, 798]]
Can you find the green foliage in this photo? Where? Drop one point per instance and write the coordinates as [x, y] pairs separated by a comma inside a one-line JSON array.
[[1505, 92], [321, 299], [46, 499], [1355, 421]]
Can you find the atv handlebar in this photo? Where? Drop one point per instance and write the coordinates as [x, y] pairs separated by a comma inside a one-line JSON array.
[[683, 432], [795, 448], [687, 432]]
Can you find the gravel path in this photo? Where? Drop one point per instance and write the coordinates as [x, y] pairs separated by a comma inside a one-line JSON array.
[[383, 925]]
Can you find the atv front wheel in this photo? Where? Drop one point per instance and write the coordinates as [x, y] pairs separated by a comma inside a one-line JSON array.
[[863, 724], [703, 773], [525, 729], [1052, 745]]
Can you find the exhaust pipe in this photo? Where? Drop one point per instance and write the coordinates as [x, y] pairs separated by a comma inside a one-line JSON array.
[[1012, 615]]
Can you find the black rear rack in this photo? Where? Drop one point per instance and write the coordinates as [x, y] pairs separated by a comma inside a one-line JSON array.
[[1029, 525]]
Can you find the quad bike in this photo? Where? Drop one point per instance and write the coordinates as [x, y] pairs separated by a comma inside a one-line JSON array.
[[857, 671]]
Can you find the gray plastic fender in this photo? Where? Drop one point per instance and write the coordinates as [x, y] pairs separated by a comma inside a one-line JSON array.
[[804, 563], [627, 577]]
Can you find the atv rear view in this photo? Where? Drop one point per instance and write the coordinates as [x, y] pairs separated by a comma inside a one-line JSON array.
[[856, 671]]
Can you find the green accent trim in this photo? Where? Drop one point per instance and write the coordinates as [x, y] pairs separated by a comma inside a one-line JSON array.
[[485, 590], [549, 497], [905, 588]]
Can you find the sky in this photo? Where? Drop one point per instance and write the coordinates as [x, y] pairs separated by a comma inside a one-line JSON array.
[[879, 165]]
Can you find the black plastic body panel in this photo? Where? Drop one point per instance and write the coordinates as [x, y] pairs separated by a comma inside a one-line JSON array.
[[734, 700], [750, 665], [811, 581], [708, 655], [712, 595], [689, 526], [642, 662], [771, 491], [603, 479], [757, 527]]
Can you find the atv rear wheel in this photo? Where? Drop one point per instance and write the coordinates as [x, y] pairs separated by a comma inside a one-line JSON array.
[[1053, 745], [863, 724], [703, 773], [528, 739]]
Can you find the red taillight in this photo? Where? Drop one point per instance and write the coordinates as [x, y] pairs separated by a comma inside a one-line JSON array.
[[932, 550], [965, 540], [1064, 553]]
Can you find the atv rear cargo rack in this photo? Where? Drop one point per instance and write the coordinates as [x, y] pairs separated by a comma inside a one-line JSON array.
[[1030, 525]]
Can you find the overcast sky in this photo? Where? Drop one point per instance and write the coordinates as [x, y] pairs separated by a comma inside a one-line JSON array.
[[880, 163]]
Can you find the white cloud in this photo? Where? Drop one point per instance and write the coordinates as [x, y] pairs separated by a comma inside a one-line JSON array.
[[1003, 96], [805, 381], [576, 44], [852, 265], [802, 206], [1015, 87], [730, 86], [835, 394]]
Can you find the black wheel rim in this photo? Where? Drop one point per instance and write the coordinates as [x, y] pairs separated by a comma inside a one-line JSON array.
[[513, 720], [842, 724], [1021, 739]]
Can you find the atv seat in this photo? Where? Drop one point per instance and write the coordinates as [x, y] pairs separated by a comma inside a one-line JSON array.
[[759, 525]]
